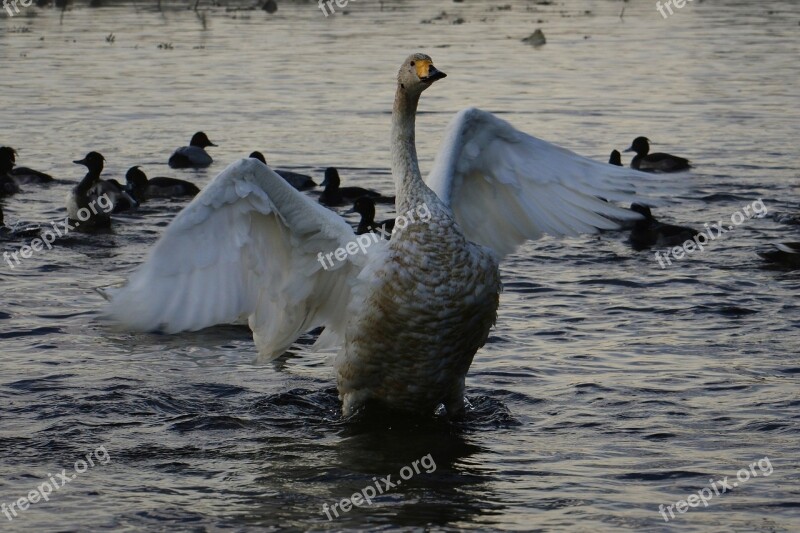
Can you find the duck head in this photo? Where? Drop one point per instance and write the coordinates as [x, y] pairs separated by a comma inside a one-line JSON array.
[[136, 180], [93, 161], [615, 159], [200, 140], [641, 145], [332, 180], [258, 155], [642, 210], [417, 74], [8, 156], [364, 206]]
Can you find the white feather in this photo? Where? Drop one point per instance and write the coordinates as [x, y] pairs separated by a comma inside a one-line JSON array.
[[246, 247], [506, 187]]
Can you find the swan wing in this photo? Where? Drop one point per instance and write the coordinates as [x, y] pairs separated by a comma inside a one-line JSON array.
[[505, 186], [246, 247]]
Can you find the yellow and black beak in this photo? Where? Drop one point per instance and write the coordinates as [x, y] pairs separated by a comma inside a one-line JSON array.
[[427, 73]]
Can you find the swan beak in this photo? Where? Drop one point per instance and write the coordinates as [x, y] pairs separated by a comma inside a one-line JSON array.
[[427, 73]]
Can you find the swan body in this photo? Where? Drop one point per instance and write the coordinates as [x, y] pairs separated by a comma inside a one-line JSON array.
[[194, 155], [410, 313]]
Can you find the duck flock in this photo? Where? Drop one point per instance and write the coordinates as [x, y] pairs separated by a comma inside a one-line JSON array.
[[408, 312], [99, 198]]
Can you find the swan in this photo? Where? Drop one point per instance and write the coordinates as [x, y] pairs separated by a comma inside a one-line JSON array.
[[409, 313]]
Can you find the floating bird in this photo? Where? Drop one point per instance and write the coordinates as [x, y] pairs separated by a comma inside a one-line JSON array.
[[22, 175], [365, 206], [615, 158], [786, 254], [649, 232], [301, 182], [194, 155], [658, 162], [8, 185], [87, 203], [411, 312], [142, 189], [335, 195]]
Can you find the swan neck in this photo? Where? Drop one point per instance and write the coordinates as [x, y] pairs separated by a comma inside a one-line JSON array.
[[405, 166]]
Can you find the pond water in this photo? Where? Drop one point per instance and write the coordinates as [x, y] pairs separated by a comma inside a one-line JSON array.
[[609, 386]]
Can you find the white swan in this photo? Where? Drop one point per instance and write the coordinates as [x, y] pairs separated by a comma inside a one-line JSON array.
[[410, 312]]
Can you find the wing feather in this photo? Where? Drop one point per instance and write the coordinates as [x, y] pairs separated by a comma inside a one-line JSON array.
[[505, 186], [246, 247]]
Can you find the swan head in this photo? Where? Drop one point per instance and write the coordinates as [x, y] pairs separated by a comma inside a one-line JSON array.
[[418, 73]]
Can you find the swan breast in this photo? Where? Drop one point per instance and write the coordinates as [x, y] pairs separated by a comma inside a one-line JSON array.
[[429, 309]]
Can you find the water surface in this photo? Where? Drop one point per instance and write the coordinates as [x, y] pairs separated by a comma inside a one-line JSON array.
[[609, 385]]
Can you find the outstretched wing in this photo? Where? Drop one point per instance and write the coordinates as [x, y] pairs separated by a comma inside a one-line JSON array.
[[505, 186], [248, 246]]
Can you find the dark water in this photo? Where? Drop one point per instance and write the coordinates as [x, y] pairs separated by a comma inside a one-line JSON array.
[[609, 386]]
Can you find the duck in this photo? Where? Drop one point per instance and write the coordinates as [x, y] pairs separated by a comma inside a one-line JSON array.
[[89, 203], [301, 182], [335, 195], [647, 162], [22, 175], [194, 155], [785, 254], [408, 314], [365, 206], [615, 158], [142, 188], [649, 232], [8, 185]]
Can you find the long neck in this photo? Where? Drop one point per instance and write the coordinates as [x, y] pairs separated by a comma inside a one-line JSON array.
[[405, 167]]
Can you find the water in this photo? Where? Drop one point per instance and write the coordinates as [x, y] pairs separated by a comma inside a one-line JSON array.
[[609, 386]]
